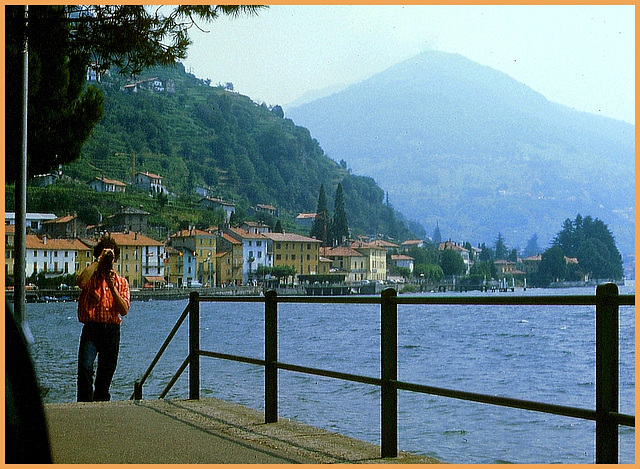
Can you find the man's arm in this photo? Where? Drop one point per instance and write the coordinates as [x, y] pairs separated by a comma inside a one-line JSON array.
[[121, 305], [85, 276]]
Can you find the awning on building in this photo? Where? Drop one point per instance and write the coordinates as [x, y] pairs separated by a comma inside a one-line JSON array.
[[154, 279]]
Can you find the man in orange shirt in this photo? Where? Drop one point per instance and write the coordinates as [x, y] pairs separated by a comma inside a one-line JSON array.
[[105, 297]]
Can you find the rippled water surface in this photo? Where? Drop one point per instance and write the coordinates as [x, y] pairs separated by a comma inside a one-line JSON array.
[[536, 353]]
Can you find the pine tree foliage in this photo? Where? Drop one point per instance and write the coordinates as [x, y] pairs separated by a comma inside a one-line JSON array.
[[320, 227], [339, 223]]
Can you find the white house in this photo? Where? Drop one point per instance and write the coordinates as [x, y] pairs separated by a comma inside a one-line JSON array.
[[402, 260], [51, 256], [102, 184], [215, 203], [150, 182], [254, 252]]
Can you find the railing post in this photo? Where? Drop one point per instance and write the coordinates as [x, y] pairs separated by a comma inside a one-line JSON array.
[[271, 356], [194, 345], [607, 356], [137, 391], [389, 369]]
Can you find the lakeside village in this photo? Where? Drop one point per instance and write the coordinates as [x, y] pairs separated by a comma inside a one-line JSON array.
[[245, 259]]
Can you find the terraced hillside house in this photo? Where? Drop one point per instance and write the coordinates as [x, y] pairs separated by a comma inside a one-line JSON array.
[[295, 250], [150, 182], [103, 184]]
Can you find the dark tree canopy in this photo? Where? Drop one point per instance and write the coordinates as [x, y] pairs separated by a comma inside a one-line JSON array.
[[320, 227], [500, 249], [339, 223], [592, 243], [451, 262]]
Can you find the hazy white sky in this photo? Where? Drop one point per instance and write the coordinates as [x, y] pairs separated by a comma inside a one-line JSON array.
[[579, 56]]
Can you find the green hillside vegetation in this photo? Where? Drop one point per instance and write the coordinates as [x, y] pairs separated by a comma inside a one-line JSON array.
[[202, 135]]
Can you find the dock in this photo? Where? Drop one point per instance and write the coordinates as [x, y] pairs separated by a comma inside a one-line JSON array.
[[207, 431]]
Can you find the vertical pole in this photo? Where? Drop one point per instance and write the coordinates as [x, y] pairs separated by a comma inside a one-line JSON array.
[[389, 351], [607, 355], [194, 345], [20, 237], [271, 356]]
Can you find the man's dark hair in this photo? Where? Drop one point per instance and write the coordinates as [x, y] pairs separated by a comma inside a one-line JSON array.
[[106, 242]]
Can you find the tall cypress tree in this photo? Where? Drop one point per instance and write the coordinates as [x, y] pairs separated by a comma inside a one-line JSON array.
[[319, 229], [339, 224]]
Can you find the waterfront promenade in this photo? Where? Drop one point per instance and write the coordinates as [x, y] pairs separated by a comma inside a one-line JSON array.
[[207, 431]]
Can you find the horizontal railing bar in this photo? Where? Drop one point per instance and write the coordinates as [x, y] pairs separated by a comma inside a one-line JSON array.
[[347, 299], [500, 401], [551, 300], [235, 358], [566, 411], [175, 378], [231, 299], [624, 419], [329, 374]]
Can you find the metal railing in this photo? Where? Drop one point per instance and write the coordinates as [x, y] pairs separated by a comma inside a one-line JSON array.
[[606, 415]]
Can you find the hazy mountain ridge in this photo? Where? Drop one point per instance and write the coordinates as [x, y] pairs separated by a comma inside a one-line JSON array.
[[467, 146]]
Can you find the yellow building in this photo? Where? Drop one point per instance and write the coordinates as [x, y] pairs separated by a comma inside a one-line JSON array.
[[84, 255], [376, 260], [348, 261], [142, 259], [229, 260], [294, 250], [203, 244]]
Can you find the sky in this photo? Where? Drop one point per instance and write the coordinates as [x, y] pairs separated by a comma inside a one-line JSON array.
[[579, 56]]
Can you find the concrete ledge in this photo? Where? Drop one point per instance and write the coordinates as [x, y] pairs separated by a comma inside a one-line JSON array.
[[203, 431]]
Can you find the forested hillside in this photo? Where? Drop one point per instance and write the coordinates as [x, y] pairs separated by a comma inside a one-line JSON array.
[[194, 134]]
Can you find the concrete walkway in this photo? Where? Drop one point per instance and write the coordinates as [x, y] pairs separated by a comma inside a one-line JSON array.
[[187, 432]]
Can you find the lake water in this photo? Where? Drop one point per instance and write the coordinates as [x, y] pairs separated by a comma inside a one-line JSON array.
[[536, 353]]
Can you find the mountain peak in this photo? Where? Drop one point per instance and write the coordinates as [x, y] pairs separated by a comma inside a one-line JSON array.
[[460, 142]]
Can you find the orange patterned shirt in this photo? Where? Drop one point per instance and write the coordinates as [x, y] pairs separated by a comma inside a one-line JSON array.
[[96, 303]]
